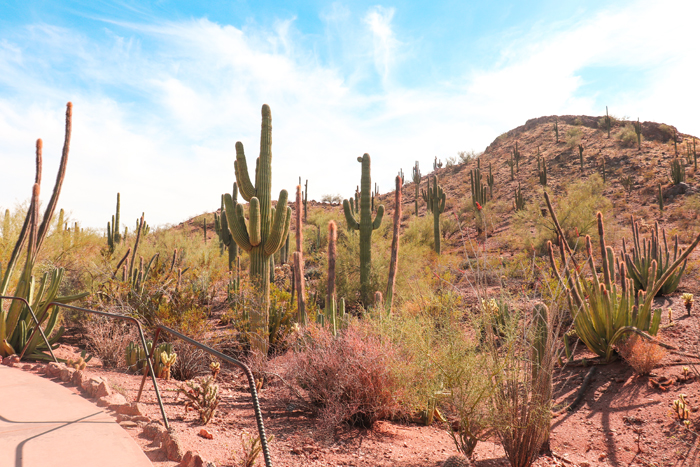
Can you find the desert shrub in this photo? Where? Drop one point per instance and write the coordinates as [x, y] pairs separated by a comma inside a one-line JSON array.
[[332, 199], [347, 378], [522, 363], [575, 211], [667, 132], [467, 156], [108, 338], [450, 161], [573, 136], [642, 355], [627, 135]]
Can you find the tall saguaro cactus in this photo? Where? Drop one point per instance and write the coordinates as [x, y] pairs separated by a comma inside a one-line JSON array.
[[265, 233], [416, 181], [436, 200], [365, 225], [113, 235]]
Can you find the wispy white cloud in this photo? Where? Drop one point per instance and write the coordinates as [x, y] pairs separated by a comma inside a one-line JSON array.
[[159, 105]]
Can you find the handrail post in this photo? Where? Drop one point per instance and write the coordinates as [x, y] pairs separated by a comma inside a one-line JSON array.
[[148, 357]]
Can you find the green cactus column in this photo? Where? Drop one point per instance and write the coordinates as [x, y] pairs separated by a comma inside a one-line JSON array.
[[264, 234], [366, 225], [435, 198]]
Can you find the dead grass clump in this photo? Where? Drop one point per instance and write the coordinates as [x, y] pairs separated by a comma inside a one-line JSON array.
[[642, 355], [107, 339], [347, 378]]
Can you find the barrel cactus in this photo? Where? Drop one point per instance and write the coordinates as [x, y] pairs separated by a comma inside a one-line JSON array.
[[264, 233]]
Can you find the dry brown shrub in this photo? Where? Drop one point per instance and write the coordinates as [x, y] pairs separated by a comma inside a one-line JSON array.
[[642, 355], [347, 378], [108, 338]]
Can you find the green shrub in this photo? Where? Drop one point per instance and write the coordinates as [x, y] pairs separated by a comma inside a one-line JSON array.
[[627, 135], [575, 211], [573, 136]]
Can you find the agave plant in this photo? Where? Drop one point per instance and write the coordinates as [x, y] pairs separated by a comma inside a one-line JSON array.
[[17, 325], [604, 311], [642, 253]]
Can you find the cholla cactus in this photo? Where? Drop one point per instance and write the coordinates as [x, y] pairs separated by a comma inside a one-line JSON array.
[[167, 360], [681, 408], [687, 301], [215, 368], [203, 395]]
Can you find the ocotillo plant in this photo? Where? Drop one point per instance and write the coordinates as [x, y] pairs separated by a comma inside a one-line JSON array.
[[394, 261], [221, 226], [299, 260], [416, 181], [638, 131], [263, 235], [436, 198], [365, 225], [113, 235], [580, 155], [556, 129], [16, 323], [478, 189]]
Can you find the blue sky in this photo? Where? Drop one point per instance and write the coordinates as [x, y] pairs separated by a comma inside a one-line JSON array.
[[163, 90]]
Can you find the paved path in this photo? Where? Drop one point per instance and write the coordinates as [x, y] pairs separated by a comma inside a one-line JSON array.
[[43, 424]]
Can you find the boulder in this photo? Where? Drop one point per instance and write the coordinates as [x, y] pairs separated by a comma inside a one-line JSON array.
[[170, 446], [131, 409], [153, 430], [66, 374], [113, 401], [54, 369], [192, 459]]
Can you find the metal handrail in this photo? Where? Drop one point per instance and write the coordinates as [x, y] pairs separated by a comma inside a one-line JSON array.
[[241, 365], [26, 346], [149, 361], [143, 343]]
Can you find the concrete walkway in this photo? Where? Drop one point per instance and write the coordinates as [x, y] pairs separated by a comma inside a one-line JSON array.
[[43, 424]]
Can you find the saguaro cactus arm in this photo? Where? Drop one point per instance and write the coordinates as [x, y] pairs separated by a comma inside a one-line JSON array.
[[242, 177], [350, 216], [236, 224]]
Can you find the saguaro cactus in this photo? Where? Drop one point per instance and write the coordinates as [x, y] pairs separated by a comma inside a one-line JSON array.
[[221, 226], [113, 235], [264, 234], [436, 200], [365, 225], [416, 181]]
